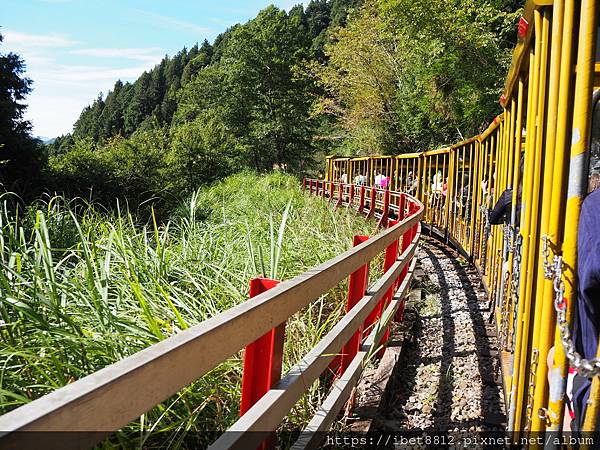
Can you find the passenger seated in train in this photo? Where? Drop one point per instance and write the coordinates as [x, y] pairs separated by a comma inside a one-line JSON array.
[[384, 182], [412, 183], [501, 212], [378, 178], [586, 325]]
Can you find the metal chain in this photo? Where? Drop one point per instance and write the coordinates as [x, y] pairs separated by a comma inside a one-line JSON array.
[[508, 234], [548, 416], [515, 282], [531, 390], [487, 231], [505, 310], [548, 268], [510, 230], [588, 368]]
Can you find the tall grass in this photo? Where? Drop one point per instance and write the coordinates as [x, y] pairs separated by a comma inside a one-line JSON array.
[[81, 288]]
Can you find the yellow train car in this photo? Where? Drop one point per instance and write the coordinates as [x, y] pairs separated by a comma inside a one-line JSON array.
[[542, 155]]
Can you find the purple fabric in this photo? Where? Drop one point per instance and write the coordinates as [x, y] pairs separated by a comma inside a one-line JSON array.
[[587, 320]]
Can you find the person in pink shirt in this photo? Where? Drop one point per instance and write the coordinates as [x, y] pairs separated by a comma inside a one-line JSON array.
[[385, 181]]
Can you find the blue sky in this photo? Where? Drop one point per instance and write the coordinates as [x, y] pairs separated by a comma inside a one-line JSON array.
[[75, 49]]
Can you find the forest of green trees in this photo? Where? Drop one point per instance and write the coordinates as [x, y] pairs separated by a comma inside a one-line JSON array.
[[280, 91]]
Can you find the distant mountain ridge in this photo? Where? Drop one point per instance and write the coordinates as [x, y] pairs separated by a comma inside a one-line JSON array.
[[46, 140]]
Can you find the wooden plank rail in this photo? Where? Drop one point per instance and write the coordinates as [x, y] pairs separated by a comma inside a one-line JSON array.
[[342, 388], [110, 398], [268, 412]]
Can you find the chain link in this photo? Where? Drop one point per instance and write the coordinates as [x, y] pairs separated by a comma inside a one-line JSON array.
[[515, 282], [547, 416], [549, 269], [531, 388], [506, 300], [510, 230], [505, 312], [588, 368]]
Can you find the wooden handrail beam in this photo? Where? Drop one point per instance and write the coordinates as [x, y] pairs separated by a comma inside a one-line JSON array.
[[267, 413]]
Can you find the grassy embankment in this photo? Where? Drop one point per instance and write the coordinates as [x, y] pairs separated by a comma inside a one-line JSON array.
[[81, 288]]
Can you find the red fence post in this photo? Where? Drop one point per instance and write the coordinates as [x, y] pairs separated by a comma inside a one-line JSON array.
[[351, 196], [373, 201], [361, 205], [407, 238], [331, 187], [304, 183], [357, 286], [386, 209], [323, 190], [391, 255], [263, 357], [310, 186], [341, 197]]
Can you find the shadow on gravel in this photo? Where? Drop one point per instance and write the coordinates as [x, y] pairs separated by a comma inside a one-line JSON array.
[[490, 403], [443, 410], [405, 379]]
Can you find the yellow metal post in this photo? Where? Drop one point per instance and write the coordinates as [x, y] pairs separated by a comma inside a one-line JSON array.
[[520, 355], [552, 207]]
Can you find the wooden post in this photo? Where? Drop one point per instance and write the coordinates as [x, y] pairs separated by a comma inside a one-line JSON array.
[[262, 361], [341, 191], [263, 357], [331, 188], [407, 238], [351, 199]]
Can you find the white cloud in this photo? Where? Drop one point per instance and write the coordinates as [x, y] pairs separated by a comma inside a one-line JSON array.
[[23, 40], [173, 23], [53, 115], [72, 73], [61, 91], [152, 54], [288, 4]]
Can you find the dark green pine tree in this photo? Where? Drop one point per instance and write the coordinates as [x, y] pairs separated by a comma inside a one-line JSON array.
[[89, 123], [140, 106], [111, 119], [20, 154]]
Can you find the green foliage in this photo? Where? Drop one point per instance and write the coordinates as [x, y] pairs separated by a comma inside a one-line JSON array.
[[243, 102], [126, 169], [258, 92], [406, 76], [282, 90], [81, 289], [202, 151]]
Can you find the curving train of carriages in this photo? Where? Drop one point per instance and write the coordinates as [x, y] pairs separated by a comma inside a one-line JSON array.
[[510, 200]]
